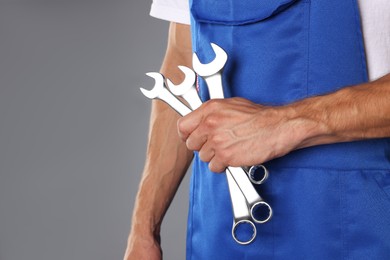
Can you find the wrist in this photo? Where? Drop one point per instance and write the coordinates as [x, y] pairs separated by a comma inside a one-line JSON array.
[[308, 123], [145, 228]]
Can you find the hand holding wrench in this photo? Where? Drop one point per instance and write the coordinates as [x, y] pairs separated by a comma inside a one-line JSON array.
[[212, 73], [241, 212], [243, 195]]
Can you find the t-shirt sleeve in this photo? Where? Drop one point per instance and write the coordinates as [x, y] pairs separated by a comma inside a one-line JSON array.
[[171, 10]]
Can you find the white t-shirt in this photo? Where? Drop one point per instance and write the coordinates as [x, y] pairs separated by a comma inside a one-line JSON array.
[[375, 20]]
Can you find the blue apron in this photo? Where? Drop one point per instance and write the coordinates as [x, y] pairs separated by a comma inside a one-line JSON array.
[[329, 201]]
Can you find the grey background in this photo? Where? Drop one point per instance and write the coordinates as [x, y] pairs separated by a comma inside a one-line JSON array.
[[73, 127]]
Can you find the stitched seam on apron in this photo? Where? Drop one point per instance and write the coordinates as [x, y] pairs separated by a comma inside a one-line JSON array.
[[190, 240], [273, 225], [359, 35], [342, 220], [308, 19], [382, 189]]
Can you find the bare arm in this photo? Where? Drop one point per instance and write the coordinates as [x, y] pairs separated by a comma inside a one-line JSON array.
[[222, 130], [353, 113], [167, 157]]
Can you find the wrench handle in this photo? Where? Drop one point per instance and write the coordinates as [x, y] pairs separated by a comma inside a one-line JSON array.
[[246, 187], [260, 210], [214, 85], [192, 98], [174, 102]]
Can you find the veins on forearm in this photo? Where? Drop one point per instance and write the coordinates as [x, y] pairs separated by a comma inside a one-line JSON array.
[[353, 113]]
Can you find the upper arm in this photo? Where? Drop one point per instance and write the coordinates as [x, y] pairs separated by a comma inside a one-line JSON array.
[[171, 10], [179, 51]]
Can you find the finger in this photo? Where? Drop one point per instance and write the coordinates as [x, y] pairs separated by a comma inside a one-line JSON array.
[[206, 153], [196, 140], [187, 124], [216, 166]]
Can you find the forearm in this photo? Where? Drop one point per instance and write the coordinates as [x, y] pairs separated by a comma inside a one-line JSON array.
[[222, 130], [167, 157], [166, 163], [353, 113]]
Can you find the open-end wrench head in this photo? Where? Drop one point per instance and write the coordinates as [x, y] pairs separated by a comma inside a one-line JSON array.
[[158, 86], [187, 84], [214, 66]]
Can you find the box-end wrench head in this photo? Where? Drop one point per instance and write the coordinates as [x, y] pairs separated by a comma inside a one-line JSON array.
[[260, 210], [186, 89], [212, 72], [257, 174], [241, 215], [159, 91]]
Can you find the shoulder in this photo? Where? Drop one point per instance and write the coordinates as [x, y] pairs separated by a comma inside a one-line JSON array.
[[171, 10]]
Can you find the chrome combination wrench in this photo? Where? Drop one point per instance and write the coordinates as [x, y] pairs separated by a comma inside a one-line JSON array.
[[247, 205]]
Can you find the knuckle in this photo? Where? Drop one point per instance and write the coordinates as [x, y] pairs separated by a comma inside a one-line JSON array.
[[212, 103], [180, 126], [217, 139], [211, 121]]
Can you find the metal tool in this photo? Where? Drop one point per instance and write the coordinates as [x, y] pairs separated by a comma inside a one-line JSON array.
[[260, 211], [212, 72], [257, 174], [241, 205], [241, 213], [247, 205], [186, 89], [160, 92]]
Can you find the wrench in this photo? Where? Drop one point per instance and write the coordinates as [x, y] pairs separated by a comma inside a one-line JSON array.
[[212, 72], [242, 215], [187, 88], [160, 92], [188, 91], [244, 197], [260, 211], [257, 174], [241, 212]]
